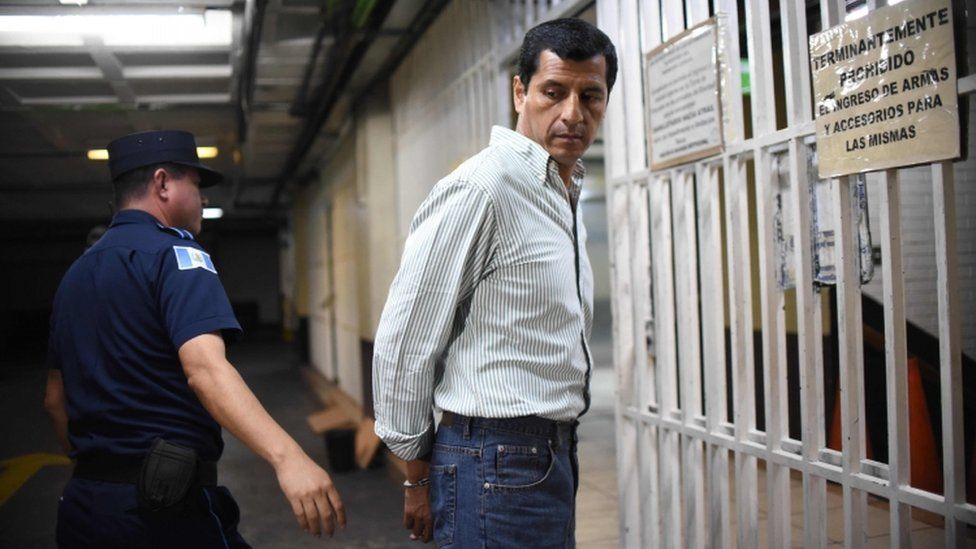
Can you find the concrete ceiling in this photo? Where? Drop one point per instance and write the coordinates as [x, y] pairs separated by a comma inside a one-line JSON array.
[[249, 89]]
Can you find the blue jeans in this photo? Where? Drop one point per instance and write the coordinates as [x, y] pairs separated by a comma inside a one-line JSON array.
[[504, 483], [106, 515]]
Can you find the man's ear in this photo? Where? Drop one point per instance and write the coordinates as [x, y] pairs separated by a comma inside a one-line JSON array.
[[518, 93], [158, 185]]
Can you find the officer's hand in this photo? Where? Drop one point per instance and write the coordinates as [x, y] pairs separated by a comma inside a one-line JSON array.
[[416, 513], [313, 497]]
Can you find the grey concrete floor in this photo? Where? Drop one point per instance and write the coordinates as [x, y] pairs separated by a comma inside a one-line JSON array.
[[373, 499]]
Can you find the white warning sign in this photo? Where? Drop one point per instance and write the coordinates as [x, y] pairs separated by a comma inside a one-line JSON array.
[[683, 98], [885, 89]]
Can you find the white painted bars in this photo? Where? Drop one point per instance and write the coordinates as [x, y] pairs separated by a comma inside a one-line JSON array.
[[681, 220]]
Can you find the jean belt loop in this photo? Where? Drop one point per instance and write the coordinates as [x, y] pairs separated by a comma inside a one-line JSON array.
[[467, 427]]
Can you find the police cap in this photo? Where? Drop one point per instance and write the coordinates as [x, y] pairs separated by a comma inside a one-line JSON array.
[[154, 147]]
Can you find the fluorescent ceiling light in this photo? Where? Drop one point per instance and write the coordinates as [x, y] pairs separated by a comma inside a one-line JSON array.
[[213, 213], [211, 28], [74, 2], [202, 152]]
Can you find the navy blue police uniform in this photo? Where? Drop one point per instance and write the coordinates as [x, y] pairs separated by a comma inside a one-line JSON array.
[[121, 313]]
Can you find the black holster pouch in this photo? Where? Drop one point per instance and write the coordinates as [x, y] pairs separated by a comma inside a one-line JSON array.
[[168, 472]]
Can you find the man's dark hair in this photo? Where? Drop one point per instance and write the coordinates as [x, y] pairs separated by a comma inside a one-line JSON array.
[[572, 39], [132, 184]]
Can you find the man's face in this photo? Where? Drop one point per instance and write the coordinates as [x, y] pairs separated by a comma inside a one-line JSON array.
[[186, 202], [563, 106]]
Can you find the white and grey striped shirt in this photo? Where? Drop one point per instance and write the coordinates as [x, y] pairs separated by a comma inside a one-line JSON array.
[[491, 310]]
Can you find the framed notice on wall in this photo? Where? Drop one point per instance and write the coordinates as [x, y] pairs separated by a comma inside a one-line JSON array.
[[684, 112], [885, 89]]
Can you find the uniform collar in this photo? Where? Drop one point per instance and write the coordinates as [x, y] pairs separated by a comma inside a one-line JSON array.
[[141, 217], [125, 217], [540, 162]]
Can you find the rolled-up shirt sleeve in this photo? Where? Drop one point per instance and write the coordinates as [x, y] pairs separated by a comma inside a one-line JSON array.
[[448, 251]]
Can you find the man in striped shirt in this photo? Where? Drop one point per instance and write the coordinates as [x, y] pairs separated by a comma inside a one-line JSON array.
[[488, 318]]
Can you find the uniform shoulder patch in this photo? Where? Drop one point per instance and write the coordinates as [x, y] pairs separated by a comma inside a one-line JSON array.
[[191, 258]]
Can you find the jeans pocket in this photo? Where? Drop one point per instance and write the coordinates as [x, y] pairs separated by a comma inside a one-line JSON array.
[[443, 496], [520, 467]]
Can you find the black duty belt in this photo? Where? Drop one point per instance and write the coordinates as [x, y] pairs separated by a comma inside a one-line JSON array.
[[125, 469]]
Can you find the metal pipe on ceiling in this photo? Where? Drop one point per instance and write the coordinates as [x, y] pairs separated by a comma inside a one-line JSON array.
[[347, 52], [421, 21], [254, 22]]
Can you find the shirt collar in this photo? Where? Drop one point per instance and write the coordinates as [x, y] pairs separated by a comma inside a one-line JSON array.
[[540, 163], [124, 217]]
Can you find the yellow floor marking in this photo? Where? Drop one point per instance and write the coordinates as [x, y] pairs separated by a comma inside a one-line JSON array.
[[14, 472]]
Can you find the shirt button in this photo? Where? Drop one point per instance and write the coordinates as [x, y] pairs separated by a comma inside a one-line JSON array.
[[501, 449], [535, 450], [487, 486]]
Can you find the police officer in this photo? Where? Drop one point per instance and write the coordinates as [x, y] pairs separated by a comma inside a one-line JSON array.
[[139, 386]]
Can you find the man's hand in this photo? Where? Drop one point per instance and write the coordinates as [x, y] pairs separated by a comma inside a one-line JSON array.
[[54, 403], [222, 391], [416, 513], [416, 501], [313, 497]]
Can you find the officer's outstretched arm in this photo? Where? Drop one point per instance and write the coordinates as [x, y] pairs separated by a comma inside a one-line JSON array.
[[54, 403], [218, 385]]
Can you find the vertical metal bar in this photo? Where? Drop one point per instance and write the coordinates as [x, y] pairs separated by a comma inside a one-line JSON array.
[[650, 531], [614, 131], [650, 14], [772, 302], [713, 344], [697, 11], [629, 467], [895, 346], [741, 326], [796, 63], [666, 364], [851, 347], [760, 67], [759, 41], [632, 85], [689, 354], [645, 485], [808, 338], [614, 163], [673, 18], [832, 13], [624, 299], [640, 276], [627, 464], [950, 349], [732, 117]]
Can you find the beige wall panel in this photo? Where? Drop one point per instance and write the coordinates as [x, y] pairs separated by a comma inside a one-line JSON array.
[[299, 228], [437, 93], [319, 286], [375, 177], [346, 225]]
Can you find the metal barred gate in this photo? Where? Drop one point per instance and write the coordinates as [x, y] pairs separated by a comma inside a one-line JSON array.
[[694, 267]]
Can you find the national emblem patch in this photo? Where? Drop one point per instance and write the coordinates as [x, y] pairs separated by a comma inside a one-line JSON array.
[[191, 258]]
